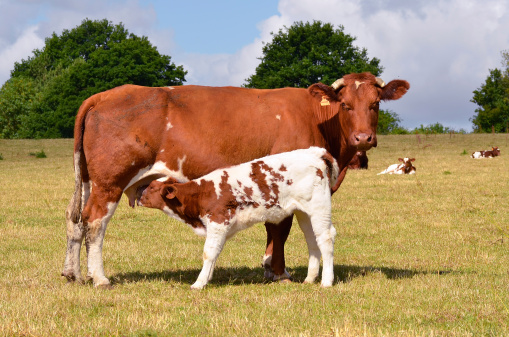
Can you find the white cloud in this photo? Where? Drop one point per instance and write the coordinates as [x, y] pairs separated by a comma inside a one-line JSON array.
[[21, 49]]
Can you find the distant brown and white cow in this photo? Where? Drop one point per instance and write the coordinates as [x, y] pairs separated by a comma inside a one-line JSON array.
[[495, 151], [126, 137], [272, 188], [405, 167], [359, 161]]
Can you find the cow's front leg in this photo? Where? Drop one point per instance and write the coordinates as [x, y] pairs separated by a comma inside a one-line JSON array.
[[214, 243], [276, 255]]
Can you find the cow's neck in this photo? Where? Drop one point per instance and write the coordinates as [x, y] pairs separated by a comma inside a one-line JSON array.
[[330, 128]]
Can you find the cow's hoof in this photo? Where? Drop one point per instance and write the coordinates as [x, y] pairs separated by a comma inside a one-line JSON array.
[[71, 277], [106, 286], [285, 280], [197, 286]]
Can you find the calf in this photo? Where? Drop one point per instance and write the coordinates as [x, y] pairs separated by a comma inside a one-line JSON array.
[[272, 188], [486, 154], [405, 167], [359, 161]]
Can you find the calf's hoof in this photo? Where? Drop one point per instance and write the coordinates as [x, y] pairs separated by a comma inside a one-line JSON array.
[[71, 277]]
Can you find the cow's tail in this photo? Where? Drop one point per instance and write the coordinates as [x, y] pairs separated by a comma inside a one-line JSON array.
[[332, 170], [75, 205]]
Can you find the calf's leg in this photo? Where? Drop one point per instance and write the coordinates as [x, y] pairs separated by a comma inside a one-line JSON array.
[[314, 252], [214, 243]]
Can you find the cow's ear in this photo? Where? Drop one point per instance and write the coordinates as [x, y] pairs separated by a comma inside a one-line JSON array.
[[413, 159], [400, 159], [169, 192], [394, 90], [323, 93]]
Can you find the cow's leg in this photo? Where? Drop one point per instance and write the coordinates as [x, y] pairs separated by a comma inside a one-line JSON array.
[[214, 243], [75, 235], [96, 215], [314, 252], [279, 234]]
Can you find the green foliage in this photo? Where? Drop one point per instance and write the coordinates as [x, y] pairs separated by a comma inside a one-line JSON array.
[[388, 123], [40, 154], [493, 101], [308, 53], [45, 91]]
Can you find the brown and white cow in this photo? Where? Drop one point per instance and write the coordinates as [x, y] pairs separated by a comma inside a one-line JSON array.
[[495, 151], [272, 188], [359, 161], [126, 137], [405, 167]]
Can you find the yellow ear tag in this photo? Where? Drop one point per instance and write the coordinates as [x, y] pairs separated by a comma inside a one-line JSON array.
[[324, 101]]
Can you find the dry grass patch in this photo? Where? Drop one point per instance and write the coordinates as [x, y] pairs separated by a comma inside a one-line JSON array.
[[415, 255]]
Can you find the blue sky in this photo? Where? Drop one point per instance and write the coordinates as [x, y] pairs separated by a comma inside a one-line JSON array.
[[444, 48]]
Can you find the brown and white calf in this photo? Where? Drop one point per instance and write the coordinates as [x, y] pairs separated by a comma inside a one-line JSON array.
[[486, 154], [405, 167], [228, 200]]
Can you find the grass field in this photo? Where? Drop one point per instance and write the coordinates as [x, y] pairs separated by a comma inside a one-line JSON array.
[[421, 255]]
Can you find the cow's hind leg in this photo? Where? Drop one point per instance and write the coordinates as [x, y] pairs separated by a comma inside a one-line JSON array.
[[75, 235], [96, 215], [214, 243]]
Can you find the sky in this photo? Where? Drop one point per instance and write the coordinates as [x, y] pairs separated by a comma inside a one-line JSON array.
[[443, 48]]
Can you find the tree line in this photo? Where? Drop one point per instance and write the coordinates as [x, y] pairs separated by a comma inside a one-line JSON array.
[[44, 92]]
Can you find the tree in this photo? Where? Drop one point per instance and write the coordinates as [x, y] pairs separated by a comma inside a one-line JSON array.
[[493, 101], [388, 123], [88, 59], [308, 53]]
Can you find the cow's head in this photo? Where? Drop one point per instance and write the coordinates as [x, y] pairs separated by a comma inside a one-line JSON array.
[[356, 98]]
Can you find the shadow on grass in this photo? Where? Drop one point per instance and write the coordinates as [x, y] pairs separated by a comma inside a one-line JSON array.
[[245, 275]]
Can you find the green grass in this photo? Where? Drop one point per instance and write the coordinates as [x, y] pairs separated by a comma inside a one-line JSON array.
[[421, 255]]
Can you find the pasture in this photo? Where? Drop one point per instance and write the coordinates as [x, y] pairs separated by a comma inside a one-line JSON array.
[[420, 255]]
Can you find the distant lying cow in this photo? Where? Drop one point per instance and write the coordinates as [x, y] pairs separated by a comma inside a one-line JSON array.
[[405, 167], [359, 161], [272, 188], [486, 154]]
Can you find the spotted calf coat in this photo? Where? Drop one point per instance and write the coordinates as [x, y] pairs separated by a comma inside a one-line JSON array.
[[405, 167], [221, 203], [495, 151]]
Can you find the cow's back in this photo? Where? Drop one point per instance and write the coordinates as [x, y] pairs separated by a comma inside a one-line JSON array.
[[134, 133]]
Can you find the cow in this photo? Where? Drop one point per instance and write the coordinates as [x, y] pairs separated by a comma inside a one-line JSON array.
[[128, 136], [221, 203], [495, 151], [405, 167], [359, 161]]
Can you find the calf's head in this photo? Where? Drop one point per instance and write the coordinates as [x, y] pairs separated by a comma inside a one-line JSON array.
[[407, 162]]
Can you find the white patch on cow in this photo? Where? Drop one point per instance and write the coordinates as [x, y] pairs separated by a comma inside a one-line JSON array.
[[357, 84], [133, 163], [162, 151], [278, 117], [477, 155], [171, 88], [168, 126], [159, 169]]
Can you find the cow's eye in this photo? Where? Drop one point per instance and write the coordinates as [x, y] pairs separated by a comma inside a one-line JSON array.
[[345, 107]]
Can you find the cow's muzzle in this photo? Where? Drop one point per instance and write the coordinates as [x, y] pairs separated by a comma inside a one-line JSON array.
[[364, 141]]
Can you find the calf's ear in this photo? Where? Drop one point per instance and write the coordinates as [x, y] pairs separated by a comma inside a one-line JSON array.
[[168, 192], [394, 90], [413, 159], [400, 159]]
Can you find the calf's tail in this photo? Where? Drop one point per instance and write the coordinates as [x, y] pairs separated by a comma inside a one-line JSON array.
[[333, 170]]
